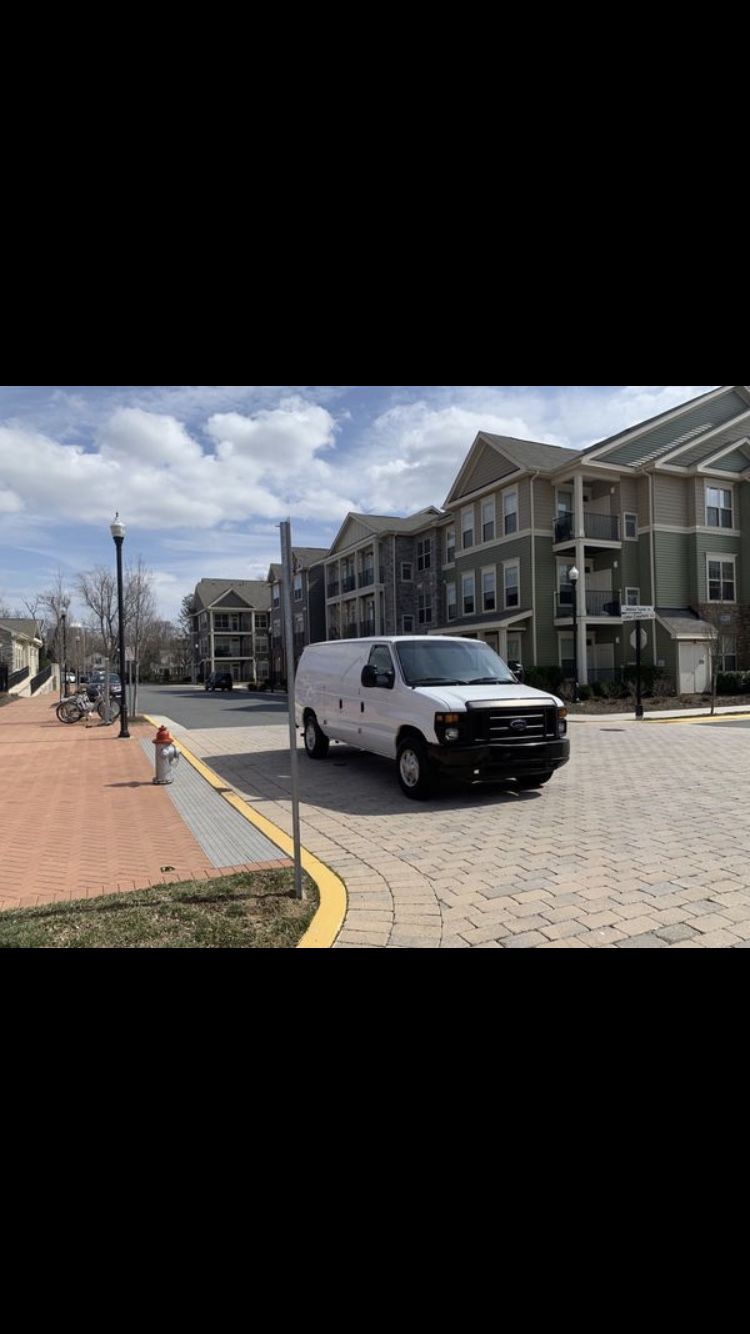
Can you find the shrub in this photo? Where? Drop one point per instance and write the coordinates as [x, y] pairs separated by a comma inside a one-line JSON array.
[[648, 677], [731, 683], [584, 693], [545, 678], [597, 690]]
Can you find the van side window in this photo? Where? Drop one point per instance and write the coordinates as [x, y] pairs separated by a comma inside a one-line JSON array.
[[381, 660]]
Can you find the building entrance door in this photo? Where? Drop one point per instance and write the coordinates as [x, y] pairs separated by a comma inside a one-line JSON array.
[[693, 669]]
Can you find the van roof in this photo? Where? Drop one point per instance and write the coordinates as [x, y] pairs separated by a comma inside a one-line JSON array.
[[396, 639]]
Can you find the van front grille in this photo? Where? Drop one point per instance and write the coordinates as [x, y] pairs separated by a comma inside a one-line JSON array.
[[513, 727]]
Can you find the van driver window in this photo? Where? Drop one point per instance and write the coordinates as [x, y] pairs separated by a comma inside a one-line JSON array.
[[380, 659]]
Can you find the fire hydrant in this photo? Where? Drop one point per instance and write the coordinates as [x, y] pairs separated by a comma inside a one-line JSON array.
[[167, 755]]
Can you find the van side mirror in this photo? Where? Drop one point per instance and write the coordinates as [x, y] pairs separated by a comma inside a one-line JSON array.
[[369, 676]]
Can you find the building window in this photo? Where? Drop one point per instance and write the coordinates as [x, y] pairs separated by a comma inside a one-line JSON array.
[[424, 553], [467, 585], [727, 653], [407, 571], [489, 592], [632, 597], [510, 512], [450, 545], [276, 595], [424, 608], [407, 625], [261, 622], [467, 528], [720, 580], [298, 588], [511, 581], [718, 508], [450, 601], [631, 527], [488, 519]]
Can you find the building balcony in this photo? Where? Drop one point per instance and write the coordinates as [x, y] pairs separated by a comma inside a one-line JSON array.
[[599, 603], [366, 629], [349, 583], [333, 589], [366, 578], [596, 528], [350, 632]]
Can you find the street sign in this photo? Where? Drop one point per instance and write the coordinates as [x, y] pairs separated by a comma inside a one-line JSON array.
[[639, 613], [644, 639]]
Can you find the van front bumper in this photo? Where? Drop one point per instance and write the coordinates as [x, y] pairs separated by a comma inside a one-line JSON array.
[[533, 757]]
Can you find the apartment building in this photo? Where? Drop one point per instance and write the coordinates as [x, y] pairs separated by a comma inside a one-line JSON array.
[[308, 606], [382, 576], [658, 514], [231, 628]]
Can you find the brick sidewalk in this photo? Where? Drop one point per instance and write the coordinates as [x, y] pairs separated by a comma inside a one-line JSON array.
[[79, 814]]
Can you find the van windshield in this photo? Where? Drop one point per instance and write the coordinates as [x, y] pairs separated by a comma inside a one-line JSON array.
[[441, 663]]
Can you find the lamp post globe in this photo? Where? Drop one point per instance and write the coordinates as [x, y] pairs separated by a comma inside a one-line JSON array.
[[117, 529], [574, 576]]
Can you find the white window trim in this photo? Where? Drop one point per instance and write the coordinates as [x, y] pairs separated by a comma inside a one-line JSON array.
[[407, 617], [510, 491], [629, 514], [725, 557], [637, 602], [509, 565], [407, 579], [723, 486], [488, 569], [490, 502], [470, 527], [469, 574]]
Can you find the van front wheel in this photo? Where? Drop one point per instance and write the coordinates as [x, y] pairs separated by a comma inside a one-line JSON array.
[[415, 774], [316, 743]]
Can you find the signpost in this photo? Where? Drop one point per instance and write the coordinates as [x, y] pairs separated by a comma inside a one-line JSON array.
[[639, 640], [288, 592]]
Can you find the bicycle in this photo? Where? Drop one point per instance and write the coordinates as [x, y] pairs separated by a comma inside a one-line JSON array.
[[80, 706]]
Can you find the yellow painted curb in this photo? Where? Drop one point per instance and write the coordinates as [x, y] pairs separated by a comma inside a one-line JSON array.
[[327, 921], [704, 718]]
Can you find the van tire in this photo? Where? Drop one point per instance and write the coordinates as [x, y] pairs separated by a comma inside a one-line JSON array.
[[532, 780], [415, 775], [316, 743]]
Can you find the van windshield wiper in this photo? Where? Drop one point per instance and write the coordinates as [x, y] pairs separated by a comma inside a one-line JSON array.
[[436, 681]]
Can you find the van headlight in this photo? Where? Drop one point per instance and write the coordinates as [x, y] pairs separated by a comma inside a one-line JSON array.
[[562, 726], [448, 727]]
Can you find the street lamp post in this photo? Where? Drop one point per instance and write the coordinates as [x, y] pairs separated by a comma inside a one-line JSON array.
[[117, 529], [64, 682], [573, 577]]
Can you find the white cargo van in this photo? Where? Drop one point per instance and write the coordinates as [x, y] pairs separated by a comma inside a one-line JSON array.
[[434, 704]]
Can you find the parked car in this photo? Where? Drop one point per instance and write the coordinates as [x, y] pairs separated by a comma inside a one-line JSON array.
[[219, 681], [435, 704], [96, 684]]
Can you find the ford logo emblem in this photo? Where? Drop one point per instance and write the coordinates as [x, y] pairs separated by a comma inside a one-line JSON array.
[[518, 725]]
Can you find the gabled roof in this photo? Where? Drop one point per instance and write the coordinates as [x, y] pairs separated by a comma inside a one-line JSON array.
[[682, 623], [378, 524], [522, 455], [660, 436], [302, 559], [21, 626], [254, 593]]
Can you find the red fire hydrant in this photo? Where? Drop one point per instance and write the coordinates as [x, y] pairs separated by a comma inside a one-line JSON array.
[[167, 755]]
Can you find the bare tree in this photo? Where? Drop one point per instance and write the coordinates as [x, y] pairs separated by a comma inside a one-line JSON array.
[[140, 616], [724, 621], [98, 592], [53, 603]]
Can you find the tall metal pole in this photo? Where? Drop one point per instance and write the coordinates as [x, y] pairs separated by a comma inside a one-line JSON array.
[[118, 532], [64, 681], [638, 697], [286, 593]]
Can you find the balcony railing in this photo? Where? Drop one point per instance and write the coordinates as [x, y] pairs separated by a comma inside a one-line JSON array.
[[333, 589], [350, 632], [366, 577], [598, 527], [366, 629], [349, 583], [598, 603]]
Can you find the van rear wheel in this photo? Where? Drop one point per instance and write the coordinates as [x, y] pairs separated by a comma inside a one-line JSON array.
[[415, 774], [316, 743]]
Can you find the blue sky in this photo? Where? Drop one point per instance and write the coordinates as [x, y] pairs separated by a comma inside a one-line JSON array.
[[202, 475]]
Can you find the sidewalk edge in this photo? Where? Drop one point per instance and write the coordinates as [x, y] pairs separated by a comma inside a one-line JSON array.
[[329, 918]]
